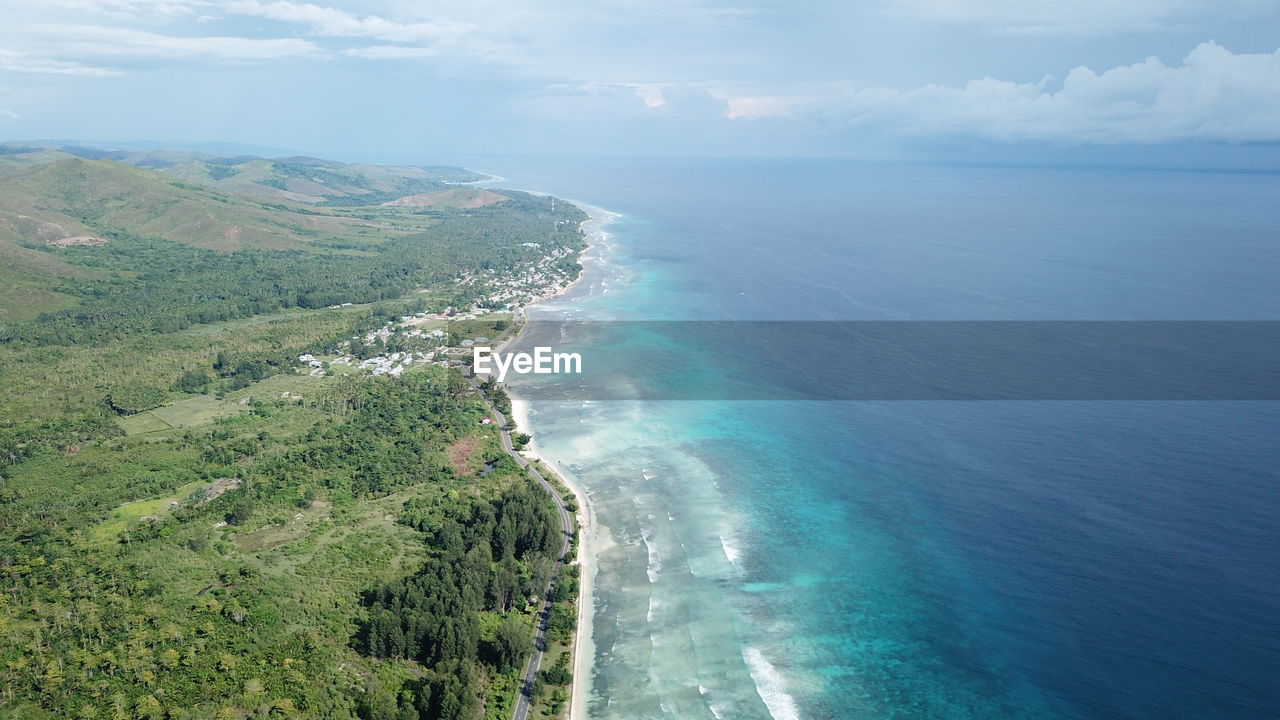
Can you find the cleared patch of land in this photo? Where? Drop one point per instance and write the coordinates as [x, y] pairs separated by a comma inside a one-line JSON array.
[[132, 513], [464, 198], [280, 533], [461, 453]]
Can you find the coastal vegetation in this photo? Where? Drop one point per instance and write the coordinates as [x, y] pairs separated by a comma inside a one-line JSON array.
[[194, 524]]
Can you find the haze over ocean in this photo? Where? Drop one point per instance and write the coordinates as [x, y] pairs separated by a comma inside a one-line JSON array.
[[925, 559]]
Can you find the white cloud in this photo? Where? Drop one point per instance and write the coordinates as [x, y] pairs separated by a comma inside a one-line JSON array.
[[650, 94], [332, 22], [97, 41], [1213, 95], [162, 8], [653, 95], [10, 114], [12, 61], [748, 107], [732, 101], [391, 52], [1073, 17]]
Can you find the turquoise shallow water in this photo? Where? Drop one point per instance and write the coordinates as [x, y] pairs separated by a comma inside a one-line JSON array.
[[925, 559]]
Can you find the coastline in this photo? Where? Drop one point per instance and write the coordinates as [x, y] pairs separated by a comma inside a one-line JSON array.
[[590, 538]]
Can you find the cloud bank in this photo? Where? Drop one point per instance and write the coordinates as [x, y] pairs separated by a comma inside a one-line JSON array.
[[102, 41], [653, 75], [20, 62], [1213, 95], [1072, 17], [334, 22]]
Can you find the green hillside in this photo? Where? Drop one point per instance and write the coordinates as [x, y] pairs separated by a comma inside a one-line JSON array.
[[194, 522], [75, 197], [98, 248], [310, 181]]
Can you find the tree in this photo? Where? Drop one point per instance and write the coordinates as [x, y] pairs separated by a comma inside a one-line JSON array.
[[562, 620], [131, 399], [513, 643], [192, 381], [377, 703], [556, 675], [241, 510], [52, 678], [199, 538], [503, 583], [149, 707]]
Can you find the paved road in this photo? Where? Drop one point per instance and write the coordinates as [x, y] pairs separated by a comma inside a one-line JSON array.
[[566, 528]]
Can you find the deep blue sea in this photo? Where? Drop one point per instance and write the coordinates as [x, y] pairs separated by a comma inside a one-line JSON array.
[[982, 560]]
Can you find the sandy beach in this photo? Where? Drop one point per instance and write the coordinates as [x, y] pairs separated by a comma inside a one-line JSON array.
[[590, 538]]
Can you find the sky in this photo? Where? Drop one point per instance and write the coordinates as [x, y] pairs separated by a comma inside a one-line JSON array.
[[420, 78]]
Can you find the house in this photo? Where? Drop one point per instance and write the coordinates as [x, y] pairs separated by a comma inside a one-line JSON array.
[[486, 421]]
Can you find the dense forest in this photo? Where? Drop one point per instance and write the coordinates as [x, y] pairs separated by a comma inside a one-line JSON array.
[[192, 528], [489, 556], [176, 615]]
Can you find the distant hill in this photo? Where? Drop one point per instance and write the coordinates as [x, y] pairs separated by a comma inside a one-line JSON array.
[[49, 203], [53, 203], [298, 178]]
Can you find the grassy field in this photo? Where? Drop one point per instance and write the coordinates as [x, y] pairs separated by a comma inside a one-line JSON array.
[[43, 382], [21, 299], [106, 532], [144, 422], [486, 326], [188, 412]]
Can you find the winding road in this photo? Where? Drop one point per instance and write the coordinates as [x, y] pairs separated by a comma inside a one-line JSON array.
[[524, 699]]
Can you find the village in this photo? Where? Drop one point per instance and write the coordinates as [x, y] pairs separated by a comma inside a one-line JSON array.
[[445, 338]]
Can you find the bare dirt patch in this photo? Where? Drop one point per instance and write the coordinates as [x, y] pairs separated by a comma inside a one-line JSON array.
[[220, 486], [77, 240], [460, 455], [464, 198]]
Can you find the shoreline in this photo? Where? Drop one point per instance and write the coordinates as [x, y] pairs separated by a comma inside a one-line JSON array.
[[588, 541], [588, 530]]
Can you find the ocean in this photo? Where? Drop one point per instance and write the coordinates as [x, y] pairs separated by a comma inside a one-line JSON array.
[[920, 559]]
